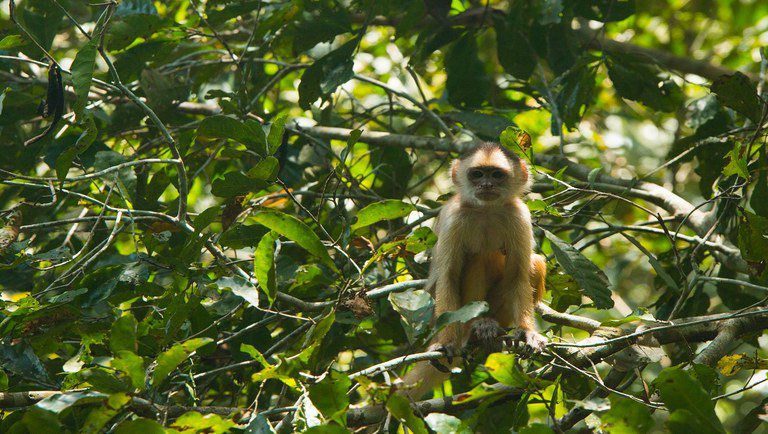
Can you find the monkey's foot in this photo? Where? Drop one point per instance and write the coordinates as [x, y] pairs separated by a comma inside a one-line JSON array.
[[534, 343], [486, 333], [449, 351]]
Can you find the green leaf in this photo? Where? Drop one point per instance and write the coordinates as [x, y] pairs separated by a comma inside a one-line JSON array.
[[328, 428], [193, 421], [635, 78], [123, 334], [82, 75], [36, 419], [240, 287], [463, 314], [169, 360], [536, 428], [467, 83], [737, 164], [275, 135], [63, 401], [64, 161], [102, 380], [514, 50], [140, 426], [126, 29], [11, 41], [239, 236], [205, 218], [384, 210], [265, 170], [330, 396], [626, 417], [354, 136], [264, 265], [236, 184], [100, 416], [132, 365], [538, 205], [255, 354], [400, 407], [326, 74], [250, 134], [487, 126], [258, 425], [446, 424], [574, 91], [690, 406], [737, 91], [295, 230], [591, 279], [753, 244], [759, 199], [415, 309], [20, 359], [503, 369]]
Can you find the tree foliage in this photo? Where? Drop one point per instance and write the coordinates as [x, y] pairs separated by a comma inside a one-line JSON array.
[[216, 213]]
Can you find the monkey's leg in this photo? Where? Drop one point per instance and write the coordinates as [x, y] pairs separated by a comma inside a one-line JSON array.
[[484, 272], [471, 286], [515, 297]]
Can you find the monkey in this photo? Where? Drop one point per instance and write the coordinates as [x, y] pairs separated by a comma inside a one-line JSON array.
[[484, 252]]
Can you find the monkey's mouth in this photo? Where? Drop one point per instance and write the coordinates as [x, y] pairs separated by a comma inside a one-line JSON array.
[[487, 194]]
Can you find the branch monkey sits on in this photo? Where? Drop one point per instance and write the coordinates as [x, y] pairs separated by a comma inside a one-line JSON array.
[[483, 253]]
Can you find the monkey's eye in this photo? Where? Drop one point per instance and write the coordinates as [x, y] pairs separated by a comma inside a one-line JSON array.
[[475, 174], [498, 174]]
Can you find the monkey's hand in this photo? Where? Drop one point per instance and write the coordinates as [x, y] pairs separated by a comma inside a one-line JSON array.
[[533, 342], [450, 352], [486, 333]]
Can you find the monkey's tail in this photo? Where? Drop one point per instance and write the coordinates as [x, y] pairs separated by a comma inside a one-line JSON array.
[[538, 276], [421, 379]]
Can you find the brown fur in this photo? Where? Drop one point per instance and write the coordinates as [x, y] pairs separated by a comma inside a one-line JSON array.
[[483, 253]]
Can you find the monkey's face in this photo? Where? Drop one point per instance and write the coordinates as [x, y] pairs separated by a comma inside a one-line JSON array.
[[489, 175], [488, 182]]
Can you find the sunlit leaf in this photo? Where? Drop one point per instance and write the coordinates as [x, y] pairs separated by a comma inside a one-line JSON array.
[[172, 358], [264, 265], [295, 230], [240, 287], [384, 210]]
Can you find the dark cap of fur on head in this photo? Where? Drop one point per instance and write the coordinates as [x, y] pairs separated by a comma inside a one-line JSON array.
[[488, 147]]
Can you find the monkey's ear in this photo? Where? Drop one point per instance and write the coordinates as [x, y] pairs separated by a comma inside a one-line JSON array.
[[455, 172], [523, 171]]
